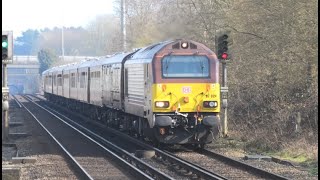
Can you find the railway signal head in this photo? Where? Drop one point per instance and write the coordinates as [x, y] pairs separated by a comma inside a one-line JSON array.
[[6, 46], [222, 44]]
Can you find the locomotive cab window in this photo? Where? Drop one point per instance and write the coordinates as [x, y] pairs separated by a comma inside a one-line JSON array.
[[175, 66]]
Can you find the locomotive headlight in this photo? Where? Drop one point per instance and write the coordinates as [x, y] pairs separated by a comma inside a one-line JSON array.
[[162, 104], [210, 104], [184, 45]]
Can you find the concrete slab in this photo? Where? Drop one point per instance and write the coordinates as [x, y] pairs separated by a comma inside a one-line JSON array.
[[257, 157], [281, 161], [18, 135], [9, 145], [145, 153], [17, 160], [12, 124], [8, 152], [11, 173]]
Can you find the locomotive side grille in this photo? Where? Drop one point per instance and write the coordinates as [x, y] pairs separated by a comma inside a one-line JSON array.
[[176, 46], [136, 84], [193, 46]]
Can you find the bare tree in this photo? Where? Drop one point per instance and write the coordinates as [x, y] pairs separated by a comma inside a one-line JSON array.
[[104, 33], [273, 76]]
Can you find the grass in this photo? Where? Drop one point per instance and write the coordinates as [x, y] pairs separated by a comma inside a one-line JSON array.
[[313, 170], [229, 143], [297, 158], [299, 151], [302, 160]]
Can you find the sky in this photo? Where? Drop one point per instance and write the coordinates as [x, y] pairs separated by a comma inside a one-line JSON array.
[[20, 15]]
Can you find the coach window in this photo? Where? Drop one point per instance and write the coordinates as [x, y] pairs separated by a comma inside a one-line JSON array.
[[46, 80], [54, 80], [65, 78], [82, 80], [97, 82], [85, 80], [59, 80], [73, 80], [50, 80]]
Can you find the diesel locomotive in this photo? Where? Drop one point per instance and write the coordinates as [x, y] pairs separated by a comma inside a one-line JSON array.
[[168, 92]]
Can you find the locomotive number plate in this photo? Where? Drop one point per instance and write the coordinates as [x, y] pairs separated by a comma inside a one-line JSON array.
[[186, 90]]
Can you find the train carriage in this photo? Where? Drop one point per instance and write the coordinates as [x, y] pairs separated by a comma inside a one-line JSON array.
[[112, 86], [168, 92]]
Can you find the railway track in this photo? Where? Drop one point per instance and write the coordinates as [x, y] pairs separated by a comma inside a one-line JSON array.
[[193, 169], [233, 169], [230, 168], [16, 101], [181, 168], [241, 165], [74, 163], [81, 150]]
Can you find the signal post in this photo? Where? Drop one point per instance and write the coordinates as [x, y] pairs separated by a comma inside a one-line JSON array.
[[222, 42], [7, 53]]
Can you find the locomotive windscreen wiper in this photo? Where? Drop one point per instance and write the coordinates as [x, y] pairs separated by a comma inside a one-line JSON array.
[[201, 64], [167, 64], [202, 67]]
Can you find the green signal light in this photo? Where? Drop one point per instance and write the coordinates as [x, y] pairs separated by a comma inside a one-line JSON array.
[[4, 44]]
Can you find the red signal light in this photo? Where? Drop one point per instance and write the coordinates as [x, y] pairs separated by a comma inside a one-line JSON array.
[[224, 56]]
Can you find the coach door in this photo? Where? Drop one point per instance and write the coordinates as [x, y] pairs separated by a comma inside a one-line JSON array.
[[62, 83], [103, 81], [115, 86], [106, 85], [88, 85]]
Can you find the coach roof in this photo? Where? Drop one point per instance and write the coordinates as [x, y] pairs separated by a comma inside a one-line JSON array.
[[87, 63], [114, 59], [150, 51]]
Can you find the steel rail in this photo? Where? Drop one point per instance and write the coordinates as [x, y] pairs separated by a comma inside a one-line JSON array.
[[82, 172], [232, 162], [129, 157], [242, 165], [176, 160], [16, 100]]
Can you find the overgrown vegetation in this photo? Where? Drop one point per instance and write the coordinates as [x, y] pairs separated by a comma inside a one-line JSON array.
[[46, 58]]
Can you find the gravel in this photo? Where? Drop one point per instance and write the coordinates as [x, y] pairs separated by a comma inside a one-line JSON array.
[[50, 164], [288, 171]]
